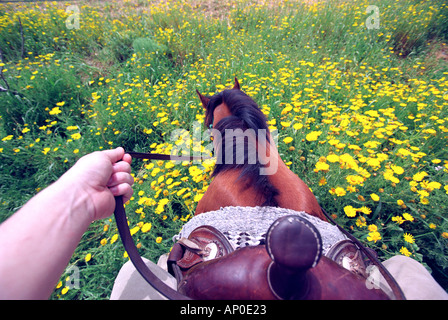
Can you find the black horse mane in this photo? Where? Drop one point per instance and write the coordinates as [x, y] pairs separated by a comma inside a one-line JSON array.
[[245, 115]]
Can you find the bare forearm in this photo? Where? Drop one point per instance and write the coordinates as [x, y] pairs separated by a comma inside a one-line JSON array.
[[38, 241]]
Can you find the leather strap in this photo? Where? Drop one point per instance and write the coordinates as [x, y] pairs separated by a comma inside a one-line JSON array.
[[396, 290], [128, 242], [158, 156]]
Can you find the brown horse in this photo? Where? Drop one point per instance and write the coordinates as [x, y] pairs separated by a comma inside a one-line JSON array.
[[243, 181]]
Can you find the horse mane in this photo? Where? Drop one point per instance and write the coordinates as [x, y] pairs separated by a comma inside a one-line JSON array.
[[245, 115]]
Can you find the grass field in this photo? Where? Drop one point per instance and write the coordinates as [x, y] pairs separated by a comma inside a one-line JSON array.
[[359, 98]]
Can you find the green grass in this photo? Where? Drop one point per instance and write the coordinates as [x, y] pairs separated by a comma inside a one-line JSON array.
[[127, 77]]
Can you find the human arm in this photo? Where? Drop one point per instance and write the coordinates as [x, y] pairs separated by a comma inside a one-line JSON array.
[[37, 242]]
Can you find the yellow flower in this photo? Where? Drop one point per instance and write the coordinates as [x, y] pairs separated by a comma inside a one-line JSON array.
[[76, 136], [374, 236], [374, 197], [287, 140], [46, 150], [134, 230], [65, 290], [397, 169], [350, 211], [88, 257], [55, 110], [114, 238], [361, 221], [372, 228], [398, 219], [408, 238], [198, 197], [321, 166], [340, 192], [313, 136], [405, 251], [365, 210], [76, 151], [60, 104], [146, 227], [322, 181], [355, 180], [408, 217], [8, 137], [333, 158], [419, 176], [158, 239]]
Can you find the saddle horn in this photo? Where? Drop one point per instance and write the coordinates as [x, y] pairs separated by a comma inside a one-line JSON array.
[[294, 246]]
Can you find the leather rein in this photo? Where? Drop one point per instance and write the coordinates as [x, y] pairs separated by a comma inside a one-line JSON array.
[[128, 241], [172, 294]]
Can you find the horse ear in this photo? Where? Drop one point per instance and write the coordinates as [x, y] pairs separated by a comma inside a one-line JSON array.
[[204, 99], [236, 85]]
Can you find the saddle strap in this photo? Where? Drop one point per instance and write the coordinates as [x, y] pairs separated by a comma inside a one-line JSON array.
[[396, 290]]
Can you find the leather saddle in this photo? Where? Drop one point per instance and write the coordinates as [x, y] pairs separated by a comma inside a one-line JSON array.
[[289, 266]]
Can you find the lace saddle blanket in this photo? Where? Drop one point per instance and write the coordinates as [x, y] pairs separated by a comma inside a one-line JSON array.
[[247, 226]]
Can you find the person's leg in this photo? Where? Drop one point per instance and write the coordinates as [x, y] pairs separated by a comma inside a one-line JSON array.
[[413, 278], [130, 285]]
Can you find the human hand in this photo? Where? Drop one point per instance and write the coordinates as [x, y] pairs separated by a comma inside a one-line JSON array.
[[100, 176]]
